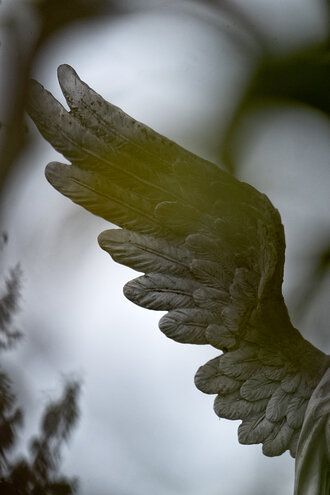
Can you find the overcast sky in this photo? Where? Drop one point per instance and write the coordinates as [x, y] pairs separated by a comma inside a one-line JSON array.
[[145, 429]]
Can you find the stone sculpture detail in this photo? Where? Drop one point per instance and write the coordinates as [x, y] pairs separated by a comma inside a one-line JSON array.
[[212, 252]]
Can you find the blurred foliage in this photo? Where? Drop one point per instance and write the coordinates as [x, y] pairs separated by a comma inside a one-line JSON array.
[[38, 474], [319, 264], [56, 15], [301, 78]]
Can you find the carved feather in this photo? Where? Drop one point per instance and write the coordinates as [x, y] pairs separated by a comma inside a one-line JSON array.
[[146, 253], [187, 325]]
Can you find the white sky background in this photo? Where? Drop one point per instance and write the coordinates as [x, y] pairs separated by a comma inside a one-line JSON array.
[[145, 429]]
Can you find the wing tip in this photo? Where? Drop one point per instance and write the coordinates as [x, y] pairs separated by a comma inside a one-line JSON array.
[[73, 88], [66, 75], [68, 79], [34, 94], [104, 239], [54, 172], [64, 69], [37, 92]]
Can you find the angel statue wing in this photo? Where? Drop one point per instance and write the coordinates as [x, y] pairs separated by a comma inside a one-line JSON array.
[[211, 250]]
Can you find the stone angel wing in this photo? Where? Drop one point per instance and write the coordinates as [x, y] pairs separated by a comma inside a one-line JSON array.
[[211, 249]]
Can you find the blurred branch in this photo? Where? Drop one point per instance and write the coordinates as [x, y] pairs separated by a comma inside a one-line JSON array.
[[320, 269], [3, 240], [243, 21], [52, 16], [9, 307]]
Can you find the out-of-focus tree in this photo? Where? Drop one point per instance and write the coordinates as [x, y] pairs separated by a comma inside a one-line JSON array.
[[39, 472]]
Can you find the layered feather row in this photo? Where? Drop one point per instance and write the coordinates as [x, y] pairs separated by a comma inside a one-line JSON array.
[[211, 249]]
